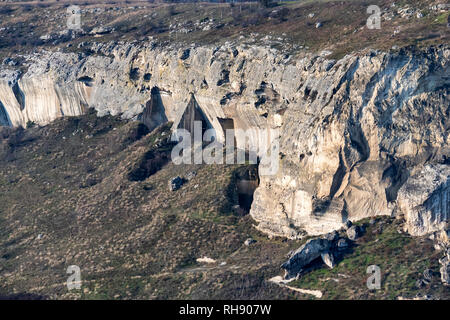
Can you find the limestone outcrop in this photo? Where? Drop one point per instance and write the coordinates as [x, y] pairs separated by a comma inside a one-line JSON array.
[[353, 139], [354, 134], [307, 253], [445, 268], [425, 199]]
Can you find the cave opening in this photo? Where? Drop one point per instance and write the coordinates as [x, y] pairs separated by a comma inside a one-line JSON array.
[[227, 125], [246, 180], [154, 112]]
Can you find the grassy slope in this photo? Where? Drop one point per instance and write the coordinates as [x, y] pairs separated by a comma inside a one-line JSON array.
[[401, 258], [136, 239], [68, 182], [342, 29]]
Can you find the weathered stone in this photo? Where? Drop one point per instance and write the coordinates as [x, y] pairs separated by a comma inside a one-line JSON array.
[[425, 200], [342, 244], [326, 178], [332, 236], [308, 252], [101, 30], [428, 274], [328, 259], [175, 183], [354, 232], [351, 135], [445, 269], [249, 241], [420, 283], [191, 175], [347, 225]]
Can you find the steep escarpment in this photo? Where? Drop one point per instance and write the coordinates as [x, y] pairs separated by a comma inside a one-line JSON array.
[[352, 131], [69, 196], [363, 128]]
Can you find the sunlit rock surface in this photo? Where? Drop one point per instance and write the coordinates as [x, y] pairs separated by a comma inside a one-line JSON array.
[[353, 132]]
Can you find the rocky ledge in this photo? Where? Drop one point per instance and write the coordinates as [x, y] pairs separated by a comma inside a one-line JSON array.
[[363, 136]]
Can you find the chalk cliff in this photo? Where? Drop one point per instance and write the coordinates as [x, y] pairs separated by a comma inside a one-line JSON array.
[[355, 134]]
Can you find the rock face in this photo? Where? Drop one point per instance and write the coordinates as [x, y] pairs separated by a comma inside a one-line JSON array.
[[352, 132], [304, 255], [352, 139], [445, 269], [425, 199], [354, 232]]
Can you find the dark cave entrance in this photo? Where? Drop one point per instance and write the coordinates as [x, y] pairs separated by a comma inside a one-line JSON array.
[[246, 189], [154, 113], [246, 180], [227, 124]]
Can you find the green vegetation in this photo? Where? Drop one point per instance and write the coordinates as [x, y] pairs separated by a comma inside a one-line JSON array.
[[66, 198], [94, 192], [401, 258], [30, 124]]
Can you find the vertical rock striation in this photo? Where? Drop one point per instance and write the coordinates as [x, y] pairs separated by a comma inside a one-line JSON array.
[[354, 133]]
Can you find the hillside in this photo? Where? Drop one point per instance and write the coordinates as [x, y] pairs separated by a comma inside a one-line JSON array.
[[355, 123], [291, 26], [66, 199]]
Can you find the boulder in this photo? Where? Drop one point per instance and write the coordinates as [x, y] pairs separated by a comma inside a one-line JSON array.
[[175, 183], [428, 274], [332, 236], [304, 255], [10, 62], [328, 259], [191, 175], [347, 225], [421, 283], [101, 30], [249, 241], [354, 233], [445, 269], [342, 244]]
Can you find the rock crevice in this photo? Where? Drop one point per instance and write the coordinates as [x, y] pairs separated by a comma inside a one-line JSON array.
[[353, 132]]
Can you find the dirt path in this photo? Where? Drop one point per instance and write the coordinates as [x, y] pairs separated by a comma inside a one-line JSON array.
[[283, 283]]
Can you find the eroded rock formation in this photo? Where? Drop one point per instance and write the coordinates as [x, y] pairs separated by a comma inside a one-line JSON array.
[[354, 133]]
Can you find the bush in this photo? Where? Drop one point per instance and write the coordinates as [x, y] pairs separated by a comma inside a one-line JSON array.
[[30, 124]]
